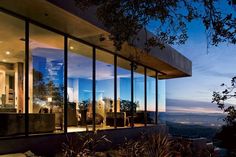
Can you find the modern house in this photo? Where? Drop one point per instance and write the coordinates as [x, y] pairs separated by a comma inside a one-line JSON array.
[[57, 75]]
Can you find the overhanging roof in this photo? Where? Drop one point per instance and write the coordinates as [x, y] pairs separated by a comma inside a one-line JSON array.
[[66, 17]]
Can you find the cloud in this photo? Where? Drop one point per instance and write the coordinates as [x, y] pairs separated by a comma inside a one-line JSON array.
[[189, 106]]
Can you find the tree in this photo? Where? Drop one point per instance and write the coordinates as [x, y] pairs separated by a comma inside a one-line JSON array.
[[220, 97], [42, 89], [227, 135], [126, 18]]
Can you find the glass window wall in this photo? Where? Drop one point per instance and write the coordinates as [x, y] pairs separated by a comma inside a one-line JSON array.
[[46, 81], [12, 80], [151, 96], [124, 106], [104, 90], [46, 84], [79, 87], [139, 107]]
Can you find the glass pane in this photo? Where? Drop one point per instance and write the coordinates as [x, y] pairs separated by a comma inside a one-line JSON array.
[[151, 96], [46, 83], [124, 107], [104, 90], [79, 81], [161, 96], [139, 108], [12, 64]]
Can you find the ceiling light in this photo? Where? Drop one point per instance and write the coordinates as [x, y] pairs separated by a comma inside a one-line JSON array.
[[8, 52], [71, 47]]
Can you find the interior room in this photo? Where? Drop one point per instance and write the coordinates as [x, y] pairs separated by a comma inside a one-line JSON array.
[[46, 84]]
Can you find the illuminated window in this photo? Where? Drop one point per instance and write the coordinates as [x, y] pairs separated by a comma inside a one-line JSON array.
[[46, 81], [12, 80]]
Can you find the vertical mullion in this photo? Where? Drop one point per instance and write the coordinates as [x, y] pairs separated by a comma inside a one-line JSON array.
[[132, 94], [65, 83], [27, 78], [115, 90], [94, 88], [156, 93], [145, 96]]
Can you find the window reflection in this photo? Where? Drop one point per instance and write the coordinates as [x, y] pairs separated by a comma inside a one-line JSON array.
[[139, 108], [124, 107], [79, 87], [46, 83], [161, 96], [104, 90], [12, 80], [151, 96]]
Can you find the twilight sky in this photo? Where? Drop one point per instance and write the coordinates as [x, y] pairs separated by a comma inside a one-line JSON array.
[[209, 70]]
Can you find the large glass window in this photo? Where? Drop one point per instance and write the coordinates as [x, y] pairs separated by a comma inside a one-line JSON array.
[[139, 108], [12, 80], [104, 90], [124, 106], [46, 83], [161, 96], [79, 87], [151, 96]]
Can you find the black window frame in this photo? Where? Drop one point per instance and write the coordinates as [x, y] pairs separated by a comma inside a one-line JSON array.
[[94, 47]]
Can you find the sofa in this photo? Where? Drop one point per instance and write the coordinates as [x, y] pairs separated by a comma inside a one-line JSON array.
[[14, 123], [120, 119]]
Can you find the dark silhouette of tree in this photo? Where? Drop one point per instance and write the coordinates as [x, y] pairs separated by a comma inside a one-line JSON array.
[[125, 19], [42, 89], [125, 106], [56, 92], [39, 86], [227, 135]]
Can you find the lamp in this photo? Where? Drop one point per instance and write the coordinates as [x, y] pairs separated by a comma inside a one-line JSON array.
[[49, 99]]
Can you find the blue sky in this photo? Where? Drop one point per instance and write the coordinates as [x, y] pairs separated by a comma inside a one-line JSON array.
[[211, 67]]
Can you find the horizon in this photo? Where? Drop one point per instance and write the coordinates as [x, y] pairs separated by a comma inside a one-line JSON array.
[[211, 66]]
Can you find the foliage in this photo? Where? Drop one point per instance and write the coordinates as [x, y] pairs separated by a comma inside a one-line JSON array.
[[126, 106], [125, 19], [39, 86], [43, 89], [84, 104], [132, 148], [83, 144], [220, 97], [186, 147], [227, 135], [156, 144], [159, 145]]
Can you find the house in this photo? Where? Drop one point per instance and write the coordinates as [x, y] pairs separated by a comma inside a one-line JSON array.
[[58, 76]]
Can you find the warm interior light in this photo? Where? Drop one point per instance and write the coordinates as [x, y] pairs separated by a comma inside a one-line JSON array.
[[49, 99], [71, 47], [8, 52], [4, 60]]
